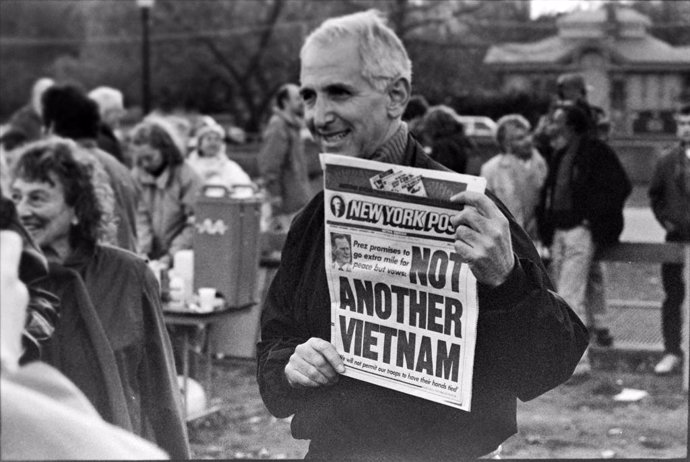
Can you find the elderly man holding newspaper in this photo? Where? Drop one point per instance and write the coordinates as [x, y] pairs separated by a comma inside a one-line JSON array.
[[355, 83]]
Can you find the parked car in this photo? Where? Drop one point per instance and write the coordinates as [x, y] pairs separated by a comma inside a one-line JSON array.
[[478, 126], [482, 131]]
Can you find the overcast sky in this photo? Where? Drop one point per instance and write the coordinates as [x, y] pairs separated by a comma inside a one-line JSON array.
[[540, 7]]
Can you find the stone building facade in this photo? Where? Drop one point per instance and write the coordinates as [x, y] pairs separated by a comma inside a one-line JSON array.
[[636, 78]]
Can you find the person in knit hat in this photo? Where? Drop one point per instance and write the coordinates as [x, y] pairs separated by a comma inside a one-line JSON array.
[[211, 162], [110, 104]]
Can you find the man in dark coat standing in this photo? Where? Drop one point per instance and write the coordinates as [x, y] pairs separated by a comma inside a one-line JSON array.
[[583, 201], [355, 83], [282, 159]]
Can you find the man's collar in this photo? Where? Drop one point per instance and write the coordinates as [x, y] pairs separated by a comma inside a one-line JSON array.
[[393, 150]]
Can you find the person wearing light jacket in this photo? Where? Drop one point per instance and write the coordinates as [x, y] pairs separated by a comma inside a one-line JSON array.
[[211, 162]]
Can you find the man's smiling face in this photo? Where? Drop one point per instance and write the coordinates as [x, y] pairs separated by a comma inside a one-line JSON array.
[[345, 114]]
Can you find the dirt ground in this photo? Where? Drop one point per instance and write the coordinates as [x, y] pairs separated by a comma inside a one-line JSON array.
[[579, 419]]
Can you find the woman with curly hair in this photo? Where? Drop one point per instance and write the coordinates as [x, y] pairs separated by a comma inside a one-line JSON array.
[[109, 290]]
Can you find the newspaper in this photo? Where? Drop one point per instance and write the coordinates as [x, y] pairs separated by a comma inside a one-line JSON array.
[[403, 306]]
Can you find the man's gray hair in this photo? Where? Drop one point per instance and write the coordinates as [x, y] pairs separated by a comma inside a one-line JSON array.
[[384, 58], [513, 120]]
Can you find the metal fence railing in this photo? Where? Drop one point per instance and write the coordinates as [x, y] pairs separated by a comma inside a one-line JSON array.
[[637, 252]]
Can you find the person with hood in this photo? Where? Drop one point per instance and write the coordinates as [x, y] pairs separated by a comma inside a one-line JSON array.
[[211, 162], [55, 196]]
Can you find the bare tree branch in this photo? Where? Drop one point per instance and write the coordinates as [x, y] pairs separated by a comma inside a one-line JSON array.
[[271, 19], [249, 76], [206, 41], [243, 83]]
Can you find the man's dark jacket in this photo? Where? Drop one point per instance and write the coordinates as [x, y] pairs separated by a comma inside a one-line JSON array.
[[600, 188], [108, 142], [669, 194], [528, 341]]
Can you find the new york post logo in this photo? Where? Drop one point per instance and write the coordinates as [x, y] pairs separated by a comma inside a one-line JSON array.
[[399, 217]]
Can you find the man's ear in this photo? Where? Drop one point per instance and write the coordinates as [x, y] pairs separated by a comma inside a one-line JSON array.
[[398, 97]]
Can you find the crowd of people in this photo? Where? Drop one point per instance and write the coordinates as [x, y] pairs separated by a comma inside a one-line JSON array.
[[565, 185], [90, 209], [96, 211]]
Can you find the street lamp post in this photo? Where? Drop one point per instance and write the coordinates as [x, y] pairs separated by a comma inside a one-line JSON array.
[[145, 8]]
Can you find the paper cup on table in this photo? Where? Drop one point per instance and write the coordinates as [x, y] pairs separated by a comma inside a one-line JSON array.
[[207, 297], [183, 264], [176, 291]]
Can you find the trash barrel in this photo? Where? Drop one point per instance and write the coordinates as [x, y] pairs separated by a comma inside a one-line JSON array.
[[226, 257]]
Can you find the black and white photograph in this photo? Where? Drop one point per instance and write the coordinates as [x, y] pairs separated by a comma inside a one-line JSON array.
[[371, 230]]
